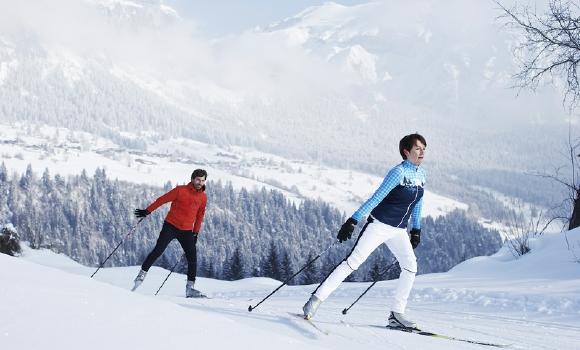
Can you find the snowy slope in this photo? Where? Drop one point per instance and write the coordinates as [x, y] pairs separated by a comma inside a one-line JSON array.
[[529, 303], [364, 73], [67, 152]]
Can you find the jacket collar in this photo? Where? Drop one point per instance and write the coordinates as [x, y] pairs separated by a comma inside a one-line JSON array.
[[190, 187], [407, 164]]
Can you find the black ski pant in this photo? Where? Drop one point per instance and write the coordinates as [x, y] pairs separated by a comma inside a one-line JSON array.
[[187, 240]]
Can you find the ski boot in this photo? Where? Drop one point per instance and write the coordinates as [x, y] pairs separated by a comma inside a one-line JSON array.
[[398, 320], [139, 279], [191, 292], [311, 306]]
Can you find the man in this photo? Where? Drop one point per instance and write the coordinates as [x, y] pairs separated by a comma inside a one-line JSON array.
[[183, 222], [397, 201]]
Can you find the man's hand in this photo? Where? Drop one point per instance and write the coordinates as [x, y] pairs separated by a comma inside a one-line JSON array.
[[141, 213]]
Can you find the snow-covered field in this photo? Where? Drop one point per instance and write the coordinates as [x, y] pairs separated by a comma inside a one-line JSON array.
[[67, 153], [48, 301]]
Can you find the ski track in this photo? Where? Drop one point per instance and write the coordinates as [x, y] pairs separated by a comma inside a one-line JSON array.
[[355, 326], [448, 307]]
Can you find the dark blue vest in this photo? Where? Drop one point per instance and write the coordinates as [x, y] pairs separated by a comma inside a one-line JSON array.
[[395, 209]]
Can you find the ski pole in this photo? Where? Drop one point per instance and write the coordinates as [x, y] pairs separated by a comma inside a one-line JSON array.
[[375, 282], [250, 308], [117, 247], [170, 272]]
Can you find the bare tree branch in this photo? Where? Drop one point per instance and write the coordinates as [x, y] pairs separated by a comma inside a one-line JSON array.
[[550, 46]]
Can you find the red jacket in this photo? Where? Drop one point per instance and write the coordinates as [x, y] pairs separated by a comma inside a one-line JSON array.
[[187, 207]]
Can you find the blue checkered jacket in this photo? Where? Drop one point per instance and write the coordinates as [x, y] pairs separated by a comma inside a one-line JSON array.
[[398, 199]]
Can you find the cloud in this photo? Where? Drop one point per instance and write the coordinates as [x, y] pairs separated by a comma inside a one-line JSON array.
[[147, 41]]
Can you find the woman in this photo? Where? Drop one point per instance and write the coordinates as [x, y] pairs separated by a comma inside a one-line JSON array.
[[397, 201]]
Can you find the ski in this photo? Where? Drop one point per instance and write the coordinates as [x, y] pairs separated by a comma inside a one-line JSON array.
[[310, 323], [441, 336], [202, 296]]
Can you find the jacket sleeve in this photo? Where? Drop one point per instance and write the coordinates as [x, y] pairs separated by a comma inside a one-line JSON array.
[[199, 216], [168, 197], [392, 179]]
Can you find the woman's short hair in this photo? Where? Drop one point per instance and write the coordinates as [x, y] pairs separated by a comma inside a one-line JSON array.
[[409, 141]]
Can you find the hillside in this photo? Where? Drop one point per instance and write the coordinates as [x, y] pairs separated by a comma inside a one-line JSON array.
[[528, 303], [67, 152], [338, 84]]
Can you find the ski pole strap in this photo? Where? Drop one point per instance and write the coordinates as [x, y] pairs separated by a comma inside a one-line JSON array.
[[250, 308], [117, 247]]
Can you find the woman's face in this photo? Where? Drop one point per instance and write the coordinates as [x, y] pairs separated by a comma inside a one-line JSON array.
[[416, 154]]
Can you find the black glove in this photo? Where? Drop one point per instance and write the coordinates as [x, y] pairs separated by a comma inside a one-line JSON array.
[[141, 213], [345, 232], [195, 237], [415, 237]]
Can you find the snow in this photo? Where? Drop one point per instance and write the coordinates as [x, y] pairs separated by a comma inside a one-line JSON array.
[[528, 303], [65, 152], [361, 61], [7, 60]]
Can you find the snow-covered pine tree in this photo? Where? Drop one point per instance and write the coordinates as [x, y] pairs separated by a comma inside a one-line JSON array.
[[9, 241]]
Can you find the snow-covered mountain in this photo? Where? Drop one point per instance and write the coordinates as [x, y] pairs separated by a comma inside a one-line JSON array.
[[528, 303], [67, 152], [334, 83]]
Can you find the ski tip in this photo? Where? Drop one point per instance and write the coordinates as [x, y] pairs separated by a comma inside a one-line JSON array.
[[310, 322]]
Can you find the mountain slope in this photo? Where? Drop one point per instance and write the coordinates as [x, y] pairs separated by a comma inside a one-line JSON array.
[[67, 152], [333, 83], [494, 299]]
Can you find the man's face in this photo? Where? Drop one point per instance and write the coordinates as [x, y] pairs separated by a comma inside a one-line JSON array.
[[198, 182], [416, 154]]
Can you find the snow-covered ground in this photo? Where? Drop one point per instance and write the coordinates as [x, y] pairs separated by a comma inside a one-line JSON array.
[[48, 301], [65, 152]]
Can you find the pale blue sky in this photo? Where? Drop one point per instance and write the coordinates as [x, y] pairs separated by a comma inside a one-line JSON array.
[[220, 17]]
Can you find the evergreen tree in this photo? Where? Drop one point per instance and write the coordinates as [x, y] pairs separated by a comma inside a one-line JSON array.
[[271, 265], [311, 274], [85, 217], [9, 241], [376, 272], [286, 268], [236, 268]]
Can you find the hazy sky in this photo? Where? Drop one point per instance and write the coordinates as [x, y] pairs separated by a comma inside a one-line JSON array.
[[219, 17]]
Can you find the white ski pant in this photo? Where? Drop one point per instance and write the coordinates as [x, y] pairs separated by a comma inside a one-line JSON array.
[[397, 240]]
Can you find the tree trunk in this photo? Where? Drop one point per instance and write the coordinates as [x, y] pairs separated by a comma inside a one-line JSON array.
[[575, 219]]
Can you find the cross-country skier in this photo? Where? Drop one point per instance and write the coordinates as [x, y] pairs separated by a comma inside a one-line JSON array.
[[397, 201], [183, 222]]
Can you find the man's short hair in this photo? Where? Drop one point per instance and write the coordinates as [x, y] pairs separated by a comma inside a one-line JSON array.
[[199, 173], [409, 141]]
